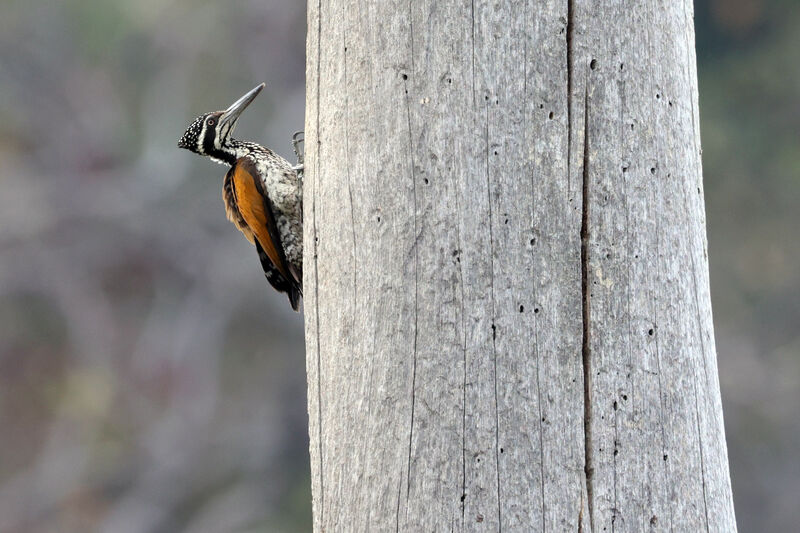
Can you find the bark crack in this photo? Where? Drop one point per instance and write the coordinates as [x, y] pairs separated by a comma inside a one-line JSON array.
[[665, 424], [464, 393], [494, 326], [347, 169], [464, 383], [570, 53], [472, 15], [695, 134], [667, 470], [586, 350], [616, 451], [534, 292], [696, 402], [416, 262], [316, 274]]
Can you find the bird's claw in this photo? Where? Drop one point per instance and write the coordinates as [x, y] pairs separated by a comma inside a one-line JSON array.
[[297, 139]]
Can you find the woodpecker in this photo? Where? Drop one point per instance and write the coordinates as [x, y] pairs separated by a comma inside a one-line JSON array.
[[263, 194]]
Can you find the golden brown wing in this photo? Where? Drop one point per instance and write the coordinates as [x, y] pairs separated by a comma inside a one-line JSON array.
[[255, 209]]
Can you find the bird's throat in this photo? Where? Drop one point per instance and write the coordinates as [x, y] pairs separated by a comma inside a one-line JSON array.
[[224, 156]]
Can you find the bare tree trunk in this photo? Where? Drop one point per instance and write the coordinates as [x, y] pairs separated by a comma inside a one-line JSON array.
[[508, 322]]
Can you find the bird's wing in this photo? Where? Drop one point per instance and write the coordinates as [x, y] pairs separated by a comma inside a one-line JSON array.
[[256, 210]]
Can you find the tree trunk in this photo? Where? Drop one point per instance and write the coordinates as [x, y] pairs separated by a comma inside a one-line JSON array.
[[508, 322]]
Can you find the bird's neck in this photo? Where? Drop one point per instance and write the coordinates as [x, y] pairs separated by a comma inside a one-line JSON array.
[[232, 150]]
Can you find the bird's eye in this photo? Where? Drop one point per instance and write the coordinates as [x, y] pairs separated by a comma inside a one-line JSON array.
[[210, 122]]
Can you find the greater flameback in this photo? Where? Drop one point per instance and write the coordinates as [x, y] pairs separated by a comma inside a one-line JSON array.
[[262, 191]]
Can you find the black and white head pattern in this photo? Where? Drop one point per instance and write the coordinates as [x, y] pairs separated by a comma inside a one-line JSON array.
[[206, 136], [193, 136]]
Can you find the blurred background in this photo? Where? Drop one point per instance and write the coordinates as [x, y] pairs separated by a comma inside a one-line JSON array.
[[150, 381]]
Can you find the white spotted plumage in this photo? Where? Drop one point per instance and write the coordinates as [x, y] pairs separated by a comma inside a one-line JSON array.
[[210, 135]]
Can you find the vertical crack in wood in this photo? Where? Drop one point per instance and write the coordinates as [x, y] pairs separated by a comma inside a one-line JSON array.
[[464, 393], [586, 349], [316, 274], [472, 15], [533, 290], [347, 169], [703, 356], [464, 354], [494, 326], [570, 53], [616, 452], [696, 154], [661, 395], [397, 512], [416, 262]]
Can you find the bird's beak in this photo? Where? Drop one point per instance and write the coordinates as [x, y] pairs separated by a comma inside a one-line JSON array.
[[230, 115]]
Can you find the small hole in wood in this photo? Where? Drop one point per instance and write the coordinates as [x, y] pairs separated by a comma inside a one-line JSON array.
[[425, 180], [551, 115], [535, 310], [593, 64], [652, 170], [405, 76], [521, 308], [650, 332], [625, 397], [665, 456]]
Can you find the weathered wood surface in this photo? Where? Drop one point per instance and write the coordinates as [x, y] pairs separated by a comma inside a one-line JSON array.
[[508, 323]]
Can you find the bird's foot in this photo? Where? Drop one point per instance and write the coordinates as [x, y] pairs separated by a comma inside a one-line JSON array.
[[299, 139]]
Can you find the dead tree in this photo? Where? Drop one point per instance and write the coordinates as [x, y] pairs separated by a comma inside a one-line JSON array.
[[508, 322]]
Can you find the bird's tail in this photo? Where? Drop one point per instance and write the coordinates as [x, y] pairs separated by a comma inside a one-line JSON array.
[[295, 294]]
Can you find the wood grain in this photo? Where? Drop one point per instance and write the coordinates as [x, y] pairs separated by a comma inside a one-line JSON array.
[[508, 323]]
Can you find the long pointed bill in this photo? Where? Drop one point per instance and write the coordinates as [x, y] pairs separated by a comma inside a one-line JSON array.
[[232, 113]]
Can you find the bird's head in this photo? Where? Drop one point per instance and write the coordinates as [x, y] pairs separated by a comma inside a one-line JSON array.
[[210, 133]]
